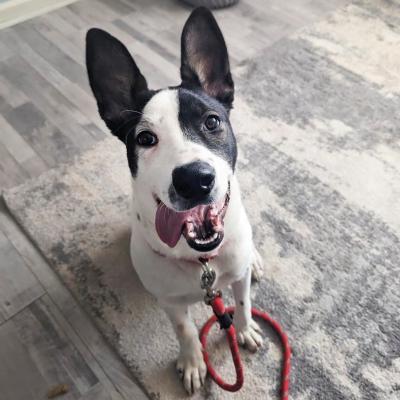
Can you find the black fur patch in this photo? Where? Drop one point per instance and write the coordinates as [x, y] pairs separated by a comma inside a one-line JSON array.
[[129, 129], [119, 87], [194, 107]]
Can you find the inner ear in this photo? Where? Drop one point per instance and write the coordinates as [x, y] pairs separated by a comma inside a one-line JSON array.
[[205, 61], [114, 78]]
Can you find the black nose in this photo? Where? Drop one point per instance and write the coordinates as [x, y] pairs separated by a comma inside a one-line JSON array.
[[194, 180]]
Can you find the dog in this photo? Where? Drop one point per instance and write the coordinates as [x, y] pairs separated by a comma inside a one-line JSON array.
[[186, 202]]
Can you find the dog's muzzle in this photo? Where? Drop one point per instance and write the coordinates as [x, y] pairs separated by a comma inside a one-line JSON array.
[[202, 226]]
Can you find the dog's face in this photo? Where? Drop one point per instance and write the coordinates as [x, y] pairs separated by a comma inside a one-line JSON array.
[[180, 145]]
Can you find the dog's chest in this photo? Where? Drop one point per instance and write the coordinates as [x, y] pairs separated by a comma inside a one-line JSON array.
[[178, 281]]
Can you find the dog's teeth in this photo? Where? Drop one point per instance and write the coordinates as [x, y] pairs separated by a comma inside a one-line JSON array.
[[207, 240], [201, 240], [192, 234]]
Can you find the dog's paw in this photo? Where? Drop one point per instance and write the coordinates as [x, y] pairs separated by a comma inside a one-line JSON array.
[[257, 268], [192, 370], [250, 336]]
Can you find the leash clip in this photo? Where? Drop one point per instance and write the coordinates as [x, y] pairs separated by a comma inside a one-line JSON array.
[[207, 280], [208, 276]]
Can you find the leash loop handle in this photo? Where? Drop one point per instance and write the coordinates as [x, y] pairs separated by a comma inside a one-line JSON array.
[[223, 316], [220, 310]]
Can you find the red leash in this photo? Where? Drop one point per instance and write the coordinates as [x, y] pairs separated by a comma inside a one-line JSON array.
[[224, 317]]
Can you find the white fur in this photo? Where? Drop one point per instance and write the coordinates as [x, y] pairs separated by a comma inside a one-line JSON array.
[[173, 275]]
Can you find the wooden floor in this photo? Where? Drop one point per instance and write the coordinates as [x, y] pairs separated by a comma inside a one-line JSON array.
[[48, 116]]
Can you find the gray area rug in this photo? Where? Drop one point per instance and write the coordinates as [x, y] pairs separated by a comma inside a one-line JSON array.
[[318, 123]]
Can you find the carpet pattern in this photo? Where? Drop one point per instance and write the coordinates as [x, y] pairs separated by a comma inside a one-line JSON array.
[[318, 124]]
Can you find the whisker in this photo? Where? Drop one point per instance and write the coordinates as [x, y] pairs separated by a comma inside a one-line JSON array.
[[124, 124], [132, 111]]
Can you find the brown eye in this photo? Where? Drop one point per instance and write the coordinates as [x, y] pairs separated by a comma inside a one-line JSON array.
[[146, 139], [212, 123]]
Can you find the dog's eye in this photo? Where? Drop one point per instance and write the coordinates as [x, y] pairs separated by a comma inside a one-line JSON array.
[[212, 122], [146, 139]]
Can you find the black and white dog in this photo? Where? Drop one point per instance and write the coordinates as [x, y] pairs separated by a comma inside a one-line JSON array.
[[186, 199]]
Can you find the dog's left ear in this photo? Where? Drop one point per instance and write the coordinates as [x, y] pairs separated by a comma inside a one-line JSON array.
[[205, 61]]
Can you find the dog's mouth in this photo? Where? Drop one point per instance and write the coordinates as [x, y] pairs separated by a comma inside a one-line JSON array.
[[202, 226]]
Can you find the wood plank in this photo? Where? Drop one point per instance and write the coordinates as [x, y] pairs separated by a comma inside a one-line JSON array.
[[155, 30], [11, 173], [62, 62], [18, 160], [94, 12], [97, 392], [56, 21], [5, 51], [120, 7], [10, 94], [55, 355], [51, 356], [35, 261], [73, 19], [20, 150], [84, 109], [51, 110], [13, 12], [34, 167], [103, 361], [116, 370], [43, 136], [145, 38], [20, 379], [18, 286], [46, 27]]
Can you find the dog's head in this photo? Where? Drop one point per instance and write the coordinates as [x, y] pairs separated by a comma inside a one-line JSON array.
[[180, 145]]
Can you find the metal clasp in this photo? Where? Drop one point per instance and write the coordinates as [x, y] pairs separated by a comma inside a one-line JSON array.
[[208, 275], [207, 280]]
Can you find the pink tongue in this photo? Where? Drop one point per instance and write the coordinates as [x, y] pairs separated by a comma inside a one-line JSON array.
[[169, 222]]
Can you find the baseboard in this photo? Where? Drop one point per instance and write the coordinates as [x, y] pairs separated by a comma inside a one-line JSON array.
[[15, 11]]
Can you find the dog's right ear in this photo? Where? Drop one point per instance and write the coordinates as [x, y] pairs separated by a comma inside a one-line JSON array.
[[114, 78]]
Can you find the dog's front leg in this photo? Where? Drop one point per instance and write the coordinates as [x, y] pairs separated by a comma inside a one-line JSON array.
[[190, 365], [247, 330]]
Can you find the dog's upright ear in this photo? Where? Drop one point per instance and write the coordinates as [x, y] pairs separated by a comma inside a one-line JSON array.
[[205, 61], [114, 78]]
